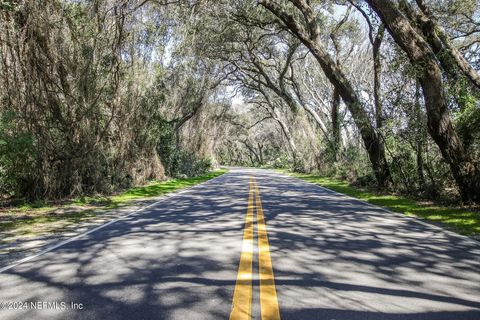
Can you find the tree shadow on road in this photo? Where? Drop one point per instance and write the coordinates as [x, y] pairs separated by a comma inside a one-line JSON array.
[[333, 258]]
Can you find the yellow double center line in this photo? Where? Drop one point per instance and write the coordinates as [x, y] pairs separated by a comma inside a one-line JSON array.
[[242, 296]]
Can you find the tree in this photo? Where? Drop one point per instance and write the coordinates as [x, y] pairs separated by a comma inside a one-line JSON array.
[[464, 168], [309, 34]]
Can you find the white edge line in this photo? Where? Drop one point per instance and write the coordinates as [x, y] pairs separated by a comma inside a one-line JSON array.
[[398, 214], [74, 238]]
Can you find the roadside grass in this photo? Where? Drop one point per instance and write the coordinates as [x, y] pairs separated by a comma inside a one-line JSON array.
[[39, 217], [463, 220], [152, 189]]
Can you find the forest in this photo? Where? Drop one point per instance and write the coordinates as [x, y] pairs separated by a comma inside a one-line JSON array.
[[100, 95]]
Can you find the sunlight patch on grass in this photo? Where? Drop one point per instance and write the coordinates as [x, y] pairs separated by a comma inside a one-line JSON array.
[[158, 188], [462, 220]]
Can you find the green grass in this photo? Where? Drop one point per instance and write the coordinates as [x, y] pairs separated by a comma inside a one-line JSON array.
[[40, 217], [465, 221], [153, 189]]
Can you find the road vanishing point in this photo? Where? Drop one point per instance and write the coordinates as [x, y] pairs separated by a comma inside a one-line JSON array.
[[251, 244]]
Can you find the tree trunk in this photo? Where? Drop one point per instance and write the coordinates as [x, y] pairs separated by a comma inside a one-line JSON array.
[[450, 58], [420, 139], [446, 52], [377, 75], [335, 125], [288, 136], [260, 152], [252, 151], [440, 127]]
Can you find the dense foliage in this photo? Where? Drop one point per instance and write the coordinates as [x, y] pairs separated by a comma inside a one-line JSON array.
[[86, 96]]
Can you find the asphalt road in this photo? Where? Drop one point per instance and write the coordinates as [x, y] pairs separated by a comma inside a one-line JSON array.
[[333, 258]]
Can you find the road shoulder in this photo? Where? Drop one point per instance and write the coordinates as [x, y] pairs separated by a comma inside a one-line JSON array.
[[23, 246], [428, 214]]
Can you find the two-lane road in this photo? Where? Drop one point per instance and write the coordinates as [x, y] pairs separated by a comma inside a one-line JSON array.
[[331, 257]]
